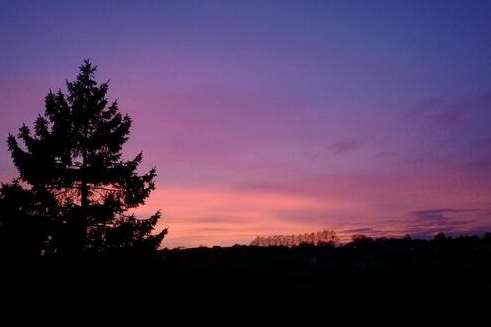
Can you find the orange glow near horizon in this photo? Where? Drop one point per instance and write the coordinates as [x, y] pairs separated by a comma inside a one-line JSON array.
[[206, 216], [202, 217]]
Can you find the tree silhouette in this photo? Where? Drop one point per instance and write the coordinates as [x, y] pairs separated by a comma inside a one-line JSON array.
[[73, 180], [24, 220]]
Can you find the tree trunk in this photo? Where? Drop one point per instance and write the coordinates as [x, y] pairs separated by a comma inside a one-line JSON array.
[[84, 196]]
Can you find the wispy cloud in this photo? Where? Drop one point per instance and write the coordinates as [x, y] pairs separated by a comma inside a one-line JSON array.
[[449, 110], [344, 146], [428, 222], [439, 213], [347, 234]]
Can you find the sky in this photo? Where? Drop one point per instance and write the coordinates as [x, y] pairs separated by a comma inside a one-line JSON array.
[[278, 117]]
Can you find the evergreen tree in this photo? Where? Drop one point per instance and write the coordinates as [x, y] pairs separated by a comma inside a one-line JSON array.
[[79, 184], [24, 222]]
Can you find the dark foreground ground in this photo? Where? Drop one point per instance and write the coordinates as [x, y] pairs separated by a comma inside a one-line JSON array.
[[442, 268], [385, 266]]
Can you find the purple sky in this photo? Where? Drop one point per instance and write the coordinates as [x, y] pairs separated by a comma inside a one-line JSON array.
[[278, 117]]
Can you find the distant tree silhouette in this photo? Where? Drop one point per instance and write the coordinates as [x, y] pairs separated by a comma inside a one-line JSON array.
[[440, 237], [74, 189], [325, 238]]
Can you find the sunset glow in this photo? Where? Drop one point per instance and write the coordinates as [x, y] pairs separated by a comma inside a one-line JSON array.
[[278, 117]]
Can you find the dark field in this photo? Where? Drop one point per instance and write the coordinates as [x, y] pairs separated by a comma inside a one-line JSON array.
[[442, 268]]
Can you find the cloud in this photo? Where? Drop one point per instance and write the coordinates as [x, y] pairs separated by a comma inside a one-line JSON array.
[[453, 228], [446, 111], [387, 154], [450, 132], [439, 213], [312, 216], [344, 146], [347, 234], [450, 221], [358, 230]]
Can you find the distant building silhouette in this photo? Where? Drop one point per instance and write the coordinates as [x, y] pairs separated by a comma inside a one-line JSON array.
[[323, 237]]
